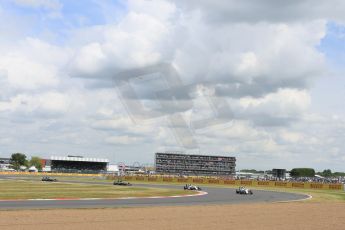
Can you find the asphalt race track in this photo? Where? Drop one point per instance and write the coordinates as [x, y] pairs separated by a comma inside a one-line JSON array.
[[214, 196]]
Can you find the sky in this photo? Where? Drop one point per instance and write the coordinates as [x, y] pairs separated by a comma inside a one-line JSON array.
[[259, 80]]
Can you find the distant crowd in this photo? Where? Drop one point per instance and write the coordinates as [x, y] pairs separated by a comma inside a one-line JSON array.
[[328, 180]]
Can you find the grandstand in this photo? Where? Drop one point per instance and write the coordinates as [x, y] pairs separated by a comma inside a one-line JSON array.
[[183, 164], [76, 164], [279, 173]]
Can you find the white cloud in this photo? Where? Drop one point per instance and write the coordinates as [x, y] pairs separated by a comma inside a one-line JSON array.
[[124, 140], [46, 4], [285, 102], [136, 41], [160, 9], [291, 137], [225, 11], [119, 122], [5, 141], [23, 73], [33, 64], [51, 102], [238, 130], [261, 58]]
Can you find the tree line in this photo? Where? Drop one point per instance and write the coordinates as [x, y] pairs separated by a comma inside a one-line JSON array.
[[19, 159], [302, 172], [309, 172]]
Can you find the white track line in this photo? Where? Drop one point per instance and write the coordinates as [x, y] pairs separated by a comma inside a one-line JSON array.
[[287, 201], [121, 198]]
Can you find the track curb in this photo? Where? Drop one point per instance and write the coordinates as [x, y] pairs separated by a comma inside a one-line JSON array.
[[304, 199], [120, 198]]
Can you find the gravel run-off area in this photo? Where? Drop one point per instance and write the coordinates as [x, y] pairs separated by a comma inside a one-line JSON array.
[[265, 216]]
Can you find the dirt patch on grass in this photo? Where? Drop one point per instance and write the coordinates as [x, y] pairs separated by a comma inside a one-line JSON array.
[[245, 216]]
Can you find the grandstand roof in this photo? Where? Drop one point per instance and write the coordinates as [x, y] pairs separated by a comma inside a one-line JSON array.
[[81, 159]]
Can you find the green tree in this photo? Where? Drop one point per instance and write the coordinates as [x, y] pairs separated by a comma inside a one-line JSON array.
[[339, 174], [327, 173], [37, 162], [17, 160], [302, 172]]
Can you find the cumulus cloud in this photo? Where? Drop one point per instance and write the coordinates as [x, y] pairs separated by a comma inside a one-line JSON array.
[[33, 64], [31, 108], [279, 108], [266, 10], [25, 74], [222, 57], [46, 4], [124, 140], [249, 66], [135, 42]]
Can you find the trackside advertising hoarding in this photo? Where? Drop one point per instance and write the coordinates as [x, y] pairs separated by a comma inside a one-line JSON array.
[[199, 180], [254, 183]]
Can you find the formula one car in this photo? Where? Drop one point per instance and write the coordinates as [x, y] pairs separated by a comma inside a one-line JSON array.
[[244, 191], [122, 183], [47, 178], [191, 187]]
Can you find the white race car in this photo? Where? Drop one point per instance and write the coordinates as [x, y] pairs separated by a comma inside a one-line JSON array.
[[191, 187], [243, 190]]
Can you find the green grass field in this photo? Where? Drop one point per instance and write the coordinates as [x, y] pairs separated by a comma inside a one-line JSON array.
[[318, 195], [16, 189]]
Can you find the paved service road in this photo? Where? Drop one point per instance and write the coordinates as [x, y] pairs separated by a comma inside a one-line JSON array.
[[214, 196]]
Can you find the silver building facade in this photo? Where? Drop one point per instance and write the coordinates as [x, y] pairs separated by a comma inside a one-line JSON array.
[[194, 165]]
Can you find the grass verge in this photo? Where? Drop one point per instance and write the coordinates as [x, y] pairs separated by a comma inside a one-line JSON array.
[[16, 189], [318, 195]]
